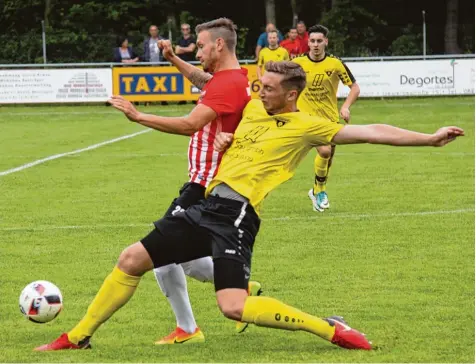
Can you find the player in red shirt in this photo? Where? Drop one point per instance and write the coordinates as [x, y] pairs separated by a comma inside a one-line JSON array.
[[223, 98], [303, 36], [292, 44]]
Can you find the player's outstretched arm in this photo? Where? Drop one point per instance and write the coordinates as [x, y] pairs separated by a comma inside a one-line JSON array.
[[200, 116], [390, 135], [195, 75]]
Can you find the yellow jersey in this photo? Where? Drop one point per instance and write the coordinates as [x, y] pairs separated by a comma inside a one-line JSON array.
[[267, 54], [267, 149], [320, 95]]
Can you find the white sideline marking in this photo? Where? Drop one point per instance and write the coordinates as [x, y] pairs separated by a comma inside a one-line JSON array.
[[116, 155], [316, 216], [312, 216], [77, 151]]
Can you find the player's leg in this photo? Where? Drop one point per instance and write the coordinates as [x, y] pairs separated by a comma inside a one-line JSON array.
[[235, 304], [202, 270], [254, 289], [116, 290], [318, 194], [158, 248], [199, 269], [171, 279], [232, 250], [173, 284]]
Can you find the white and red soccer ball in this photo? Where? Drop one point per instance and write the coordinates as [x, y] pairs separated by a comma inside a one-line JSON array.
[[41, 301]]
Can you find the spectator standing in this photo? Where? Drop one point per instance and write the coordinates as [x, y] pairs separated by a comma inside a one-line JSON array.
[[123, 53], [263, 38], [303, 36], [292, 44], [186, 45], [152, 53]]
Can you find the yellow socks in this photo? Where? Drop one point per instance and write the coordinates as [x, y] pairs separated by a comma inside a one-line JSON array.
[[269, 312], [114, 293], [321, 168]]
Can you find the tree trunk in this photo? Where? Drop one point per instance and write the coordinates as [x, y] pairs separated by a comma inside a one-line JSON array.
[[451, 28], [48, 8], [270, 11], [295, 12]]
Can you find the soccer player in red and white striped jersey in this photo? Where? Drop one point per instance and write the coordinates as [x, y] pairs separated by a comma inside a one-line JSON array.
[[224, 94]]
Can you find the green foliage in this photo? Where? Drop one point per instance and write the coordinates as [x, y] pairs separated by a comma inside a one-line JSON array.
[[241, 50], [467, 38], [86, 31], [409, 43], [78, 32], [353, 30]]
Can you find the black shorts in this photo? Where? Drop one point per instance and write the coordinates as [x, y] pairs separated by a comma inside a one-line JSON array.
[[190, 194], [223, 228]]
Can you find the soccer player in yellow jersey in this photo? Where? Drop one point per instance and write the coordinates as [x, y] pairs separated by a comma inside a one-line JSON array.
[[323, 73], [270, 141], [274, 52]]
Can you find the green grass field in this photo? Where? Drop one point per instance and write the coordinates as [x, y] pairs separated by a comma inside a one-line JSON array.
[[394, 255]]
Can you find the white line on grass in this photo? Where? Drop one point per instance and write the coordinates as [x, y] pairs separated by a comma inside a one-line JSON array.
[[77, 151], [314, 216]]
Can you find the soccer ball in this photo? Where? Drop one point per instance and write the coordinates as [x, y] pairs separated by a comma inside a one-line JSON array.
[[41, 301]]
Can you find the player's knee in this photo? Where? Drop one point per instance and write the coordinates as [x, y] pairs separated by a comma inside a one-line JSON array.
[[232, 302], [231, 309], [325, 151], [134, 260]]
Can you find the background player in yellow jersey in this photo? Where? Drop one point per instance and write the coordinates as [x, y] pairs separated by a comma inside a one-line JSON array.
[[274, 52], [323, 73], [270, 141]]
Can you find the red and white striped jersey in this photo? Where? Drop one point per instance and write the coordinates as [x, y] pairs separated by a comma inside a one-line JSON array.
[[227, 93]]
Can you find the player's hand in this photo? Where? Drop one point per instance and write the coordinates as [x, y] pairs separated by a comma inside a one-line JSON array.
[[446, 135], [166, 47], [345, 114], [222, 141], [125, 106]]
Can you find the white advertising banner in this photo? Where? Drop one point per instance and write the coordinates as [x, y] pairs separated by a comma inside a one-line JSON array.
[[55, 85], [412, 78]]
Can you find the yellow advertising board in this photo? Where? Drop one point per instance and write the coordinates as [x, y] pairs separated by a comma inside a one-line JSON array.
[[162, 84]]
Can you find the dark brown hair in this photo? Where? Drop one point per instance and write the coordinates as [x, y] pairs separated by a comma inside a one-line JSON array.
[[294, 76], [318, 29]]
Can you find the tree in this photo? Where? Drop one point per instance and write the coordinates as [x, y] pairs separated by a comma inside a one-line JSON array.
[[295, 12], [451, 28], [270, 11], [409, 43], [48, 8], [353, 29]]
